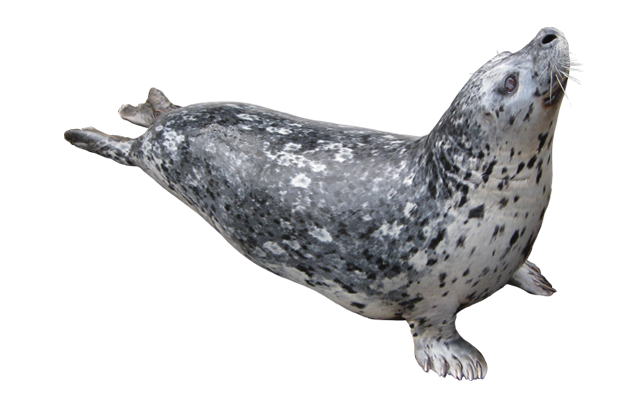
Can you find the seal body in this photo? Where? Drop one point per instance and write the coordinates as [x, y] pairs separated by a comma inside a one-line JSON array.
[[388, 226]]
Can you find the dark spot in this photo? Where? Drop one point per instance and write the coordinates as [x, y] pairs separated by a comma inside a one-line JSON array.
[[477, 212], [503, 202], [442, 276], [488, 171], [344, 286], [353, 267], [358, 305], [368, 232], [520, 168], [382, 264], [527, 249], [431, 261], [435, 241], [433, 191], [410, 304], [460, 242], [529, 112], [307, 270], [514, 238], [542, 138], [532, 161], [498, 230]]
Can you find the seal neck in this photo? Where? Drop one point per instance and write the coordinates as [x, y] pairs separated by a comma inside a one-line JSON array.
[[447, 162]]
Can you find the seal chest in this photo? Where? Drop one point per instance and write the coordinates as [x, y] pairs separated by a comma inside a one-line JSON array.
[[388, 226]]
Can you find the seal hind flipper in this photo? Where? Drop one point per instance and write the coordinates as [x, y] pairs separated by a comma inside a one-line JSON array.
[[113, 147], [530, 279], [145, 113]]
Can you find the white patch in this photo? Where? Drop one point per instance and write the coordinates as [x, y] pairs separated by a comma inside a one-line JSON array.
[[419, 260], [245, 127], [389, 230], [159, 128], [172, 140], [321, 233], [408, 208], [408, 180], [246, 116], [317, 167], [273, 247], [301, 181], [287, 158], [293, 244], [281, 131], [392, 284], [292, 147], [343, 154], [367, 217]]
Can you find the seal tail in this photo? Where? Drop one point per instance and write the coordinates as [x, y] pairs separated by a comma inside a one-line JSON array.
[[113, 147]]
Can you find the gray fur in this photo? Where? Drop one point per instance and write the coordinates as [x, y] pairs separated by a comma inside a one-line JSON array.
[[387, 226]]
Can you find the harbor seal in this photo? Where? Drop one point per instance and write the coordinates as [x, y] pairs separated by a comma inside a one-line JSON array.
[[388, 226]]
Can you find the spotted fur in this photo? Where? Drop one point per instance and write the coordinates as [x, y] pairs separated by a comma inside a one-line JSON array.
[[388, 226]]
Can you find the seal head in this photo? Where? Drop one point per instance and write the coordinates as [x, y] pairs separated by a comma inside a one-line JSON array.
[[388, 226]]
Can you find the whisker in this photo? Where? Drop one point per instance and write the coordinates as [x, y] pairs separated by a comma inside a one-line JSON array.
[[569, 76], [564, 91], [550, 81]]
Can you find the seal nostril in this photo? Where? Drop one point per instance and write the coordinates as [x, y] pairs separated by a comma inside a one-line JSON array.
[[549, 38]]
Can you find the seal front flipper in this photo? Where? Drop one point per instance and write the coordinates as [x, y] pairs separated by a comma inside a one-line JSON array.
[[439, 347], [145, 113], [530, 279], [113, 147]]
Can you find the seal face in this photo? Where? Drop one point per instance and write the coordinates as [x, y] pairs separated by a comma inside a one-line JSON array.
[[387, 226]]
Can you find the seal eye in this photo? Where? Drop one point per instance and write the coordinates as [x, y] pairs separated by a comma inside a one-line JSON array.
[[511, 84]]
